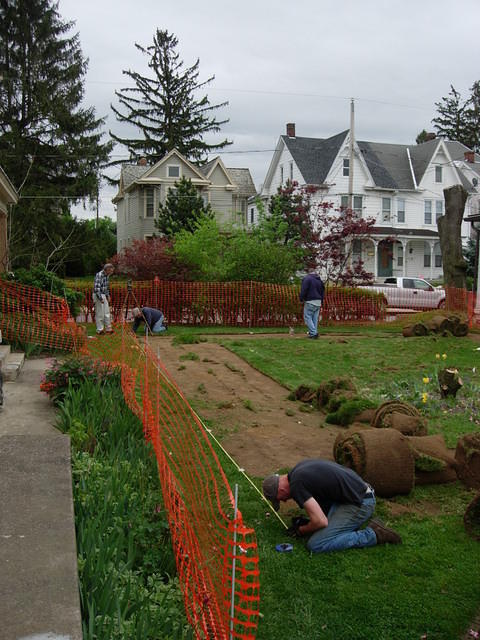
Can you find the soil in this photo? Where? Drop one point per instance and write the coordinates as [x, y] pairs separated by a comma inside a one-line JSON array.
[[247, 411]]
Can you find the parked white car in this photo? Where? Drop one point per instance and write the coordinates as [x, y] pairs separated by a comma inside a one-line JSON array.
[[410, 293]]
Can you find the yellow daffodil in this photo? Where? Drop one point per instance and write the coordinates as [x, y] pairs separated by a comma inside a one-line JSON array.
[[426, 380], [437, 356], [444, 356], [424, 397]]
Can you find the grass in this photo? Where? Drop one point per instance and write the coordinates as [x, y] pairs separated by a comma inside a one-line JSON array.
[[429, 586], [381, 369]]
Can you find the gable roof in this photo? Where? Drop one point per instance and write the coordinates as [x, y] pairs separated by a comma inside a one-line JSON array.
[[314, 156], [388, 164], [243, 179], [7, 190]]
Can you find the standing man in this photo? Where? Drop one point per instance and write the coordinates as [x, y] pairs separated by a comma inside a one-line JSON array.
[[101, 298], [312, 292], [337, 502], [153, 319]]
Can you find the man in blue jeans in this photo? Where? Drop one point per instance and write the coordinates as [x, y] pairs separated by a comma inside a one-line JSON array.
[[312, 292], [153, 319], [338, 502]]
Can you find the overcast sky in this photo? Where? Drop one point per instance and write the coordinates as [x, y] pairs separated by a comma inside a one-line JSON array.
[[279, 62]]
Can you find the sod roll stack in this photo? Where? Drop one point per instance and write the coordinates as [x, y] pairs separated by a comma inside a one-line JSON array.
[[434, 463], [382, 457]]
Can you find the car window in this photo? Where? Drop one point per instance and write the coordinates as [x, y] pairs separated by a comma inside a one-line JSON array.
[[421, 284], [407, 283]]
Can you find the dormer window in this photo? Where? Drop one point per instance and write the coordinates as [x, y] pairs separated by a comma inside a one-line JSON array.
[[173, 171], [475, 182], [346, 167], [438, 174]]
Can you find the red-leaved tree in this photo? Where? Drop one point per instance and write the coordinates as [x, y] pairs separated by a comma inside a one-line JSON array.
[[145, 259], [339, 228], [321, 235]]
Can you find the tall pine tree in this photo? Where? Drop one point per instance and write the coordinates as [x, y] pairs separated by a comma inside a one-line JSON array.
[[184, 207], [50, 146], [459, 119], [165, 108]]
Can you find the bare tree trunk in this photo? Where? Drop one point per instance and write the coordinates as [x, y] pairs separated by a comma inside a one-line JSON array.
[[449, 225]]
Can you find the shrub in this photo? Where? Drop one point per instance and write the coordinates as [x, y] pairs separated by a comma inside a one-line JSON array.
[[73, 372]]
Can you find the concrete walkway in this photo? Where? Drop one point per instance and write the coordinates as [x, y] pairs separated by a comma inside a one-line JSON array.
[[38, 561]]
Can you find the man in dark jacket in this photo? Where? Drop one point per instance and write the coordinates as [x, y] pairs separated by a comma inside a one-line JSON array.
[[153, 318], [337, 501], [312, 292]]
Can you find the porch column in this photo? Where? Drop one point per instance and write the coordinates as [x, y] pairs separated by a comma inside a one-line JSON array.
[[404, 244], [375, 259], [432, 256]]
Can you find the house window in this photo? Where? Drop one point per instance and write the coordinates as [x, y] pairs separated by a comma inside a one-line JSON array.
[[346, 167], [356, 251], [149, 202], [399, 255], [281, 174], [426, 256], [401, 210], [357, 202], [427, 212], [291, 171], [438, 174], [148, 237], [386, 208], [438, 209], [252, 215], [173, 171], [438, 256]]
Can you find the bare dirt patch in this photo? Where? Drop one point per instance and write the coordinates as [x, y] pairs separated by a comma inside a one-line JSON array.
[[248, 411]]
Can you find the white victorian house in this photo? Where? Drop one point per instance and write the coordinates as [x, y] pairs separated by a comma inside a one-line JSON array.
[[142, 188], [400, 186]]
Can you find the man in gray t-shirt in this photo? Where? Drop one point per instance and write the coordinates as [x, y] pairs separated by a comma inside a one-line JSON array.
[[337, 501]]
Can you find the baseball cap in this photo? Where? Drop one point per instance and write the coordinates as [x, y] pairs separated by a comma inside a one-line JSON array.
[[270, 490]]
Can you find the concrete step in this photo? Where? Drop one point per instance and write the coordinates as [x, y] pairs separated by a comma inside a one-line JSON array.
[[10, 363], [4, 352]]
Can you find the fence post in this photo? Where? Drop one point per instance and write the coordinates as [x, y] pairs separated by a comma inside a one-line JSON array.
[[232, 607], [250, 310]]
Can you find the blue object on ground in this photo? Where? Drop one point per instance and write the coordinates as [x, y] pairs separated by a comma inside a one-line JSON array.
[[284, 546]]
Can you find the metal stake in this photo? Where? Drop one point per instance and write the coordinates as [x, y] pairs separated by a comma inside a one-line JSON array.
[[232, 608]]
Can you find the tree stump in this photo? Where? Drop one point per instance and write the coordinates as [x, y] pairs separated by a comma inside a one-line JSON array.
[[411, 330], [450, 382]]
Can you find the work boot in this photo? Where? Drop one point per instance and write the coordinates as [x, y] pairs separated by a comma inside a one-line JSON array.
[[384, 534]]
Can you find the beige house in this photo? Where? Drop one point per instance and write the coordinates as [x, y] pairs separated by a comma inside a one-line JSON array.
[[8, 196], [142, 188]]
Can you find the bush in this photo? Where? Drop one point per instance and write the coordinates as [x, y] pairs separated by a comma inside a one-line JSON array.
[[45, 280], [73, 372]]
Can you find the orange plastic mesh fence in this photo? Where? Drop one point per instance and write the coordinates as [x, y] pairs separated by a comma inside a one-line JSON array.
[[31, 316], [250, 304], [196, 492], [257, 304]]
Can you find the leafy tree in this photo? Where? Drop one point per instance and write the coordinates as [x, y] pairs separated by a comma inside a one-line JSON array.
[[50, 146], [144, 259], [213, 255], [94, 245], [291, 221], [164, 107], [182, 209], [470, 256]]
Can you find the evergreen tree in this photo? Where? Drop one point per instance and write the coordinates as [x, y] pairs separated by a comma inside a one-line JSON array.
[[183, 209], [164, 107], [50, 146], [473, 118], [452, 121]]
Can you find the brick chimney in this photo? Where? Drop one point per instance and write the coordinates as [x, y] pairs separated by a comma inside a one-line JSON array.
[[291, 129], [469, 156], [430, 136], [142, 162]]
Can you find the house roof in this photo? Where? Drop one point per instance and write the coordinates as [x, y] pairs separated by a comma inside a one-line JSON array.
[[388, 164], [395, 232], [314, 156], [132, 172], [7, 190], [243, 179]]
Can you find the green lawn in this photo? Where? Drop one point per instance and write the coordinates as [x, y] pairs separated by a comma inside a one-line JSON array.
[[428, 587]]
